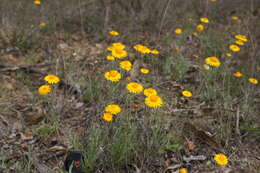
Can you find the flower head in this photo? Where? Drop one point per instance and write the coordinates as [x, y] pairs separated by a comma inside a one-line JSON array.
[[155, 52], [134, 87], [234, 18], [144, 70], [113, 76], [240, 42], [114, 33], [43, 24], [228, 54], [253, 80], [113, 109], [141, 48], [44, 89], [37, 2], [234, 48], [153, 101], [183, 170], [241, 37], [204, 20], [237, 74], [119, 53], [221, 159], [126, 65], [149, 92], [107, 117], [200, 27], [186, 93], [116, 45], [110, 58], [52, 79], [213, 61], [178, 31]]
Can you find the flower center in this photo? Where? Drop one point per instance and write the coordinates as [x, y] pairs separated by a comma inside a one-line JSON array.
[[113, 73], [153, 98], [119, 51], [135, 85]]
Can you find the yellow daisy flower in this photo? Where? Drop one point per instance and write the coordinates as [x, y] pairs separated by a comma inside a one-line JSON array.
[[44, 89], [126, 65], [110, 58], [117, 45], [150, 91], [178, 31], [119, 53], [37, 2], [240, 42], [204, 20], [113, 109], [113, 76], [52, 79], [107, 117], [228, 54], [186, 93], [213, 61], [183, 170], [114, 33], [200, 27], [237, 74], [141, 48], [153, 101], [43, 24], [134, 87], [253, 80], [144, 70], [234, 18], [221, 159], [234, 48], [241, 37], [155, 52]]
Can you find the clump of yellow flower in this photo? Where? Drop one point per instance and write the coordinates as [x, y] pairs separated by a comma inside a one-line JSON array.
[[37, 2], [150, 91], [186, 93], [155, 52], [113, 76], [107, 117], [178, 31], [52, 79], [44, 89], [183, 170], [110, 58], [221, 159], [114, 33], [144, 70], [134, 87], [237, 74], [141, 48], [200, 27], [153, 101], [126, 65], [240, 42], [253, 80], [234, 48], [241, 37], [119, 53], [213, 61], [117, 45], [113, 109], [204, 20]]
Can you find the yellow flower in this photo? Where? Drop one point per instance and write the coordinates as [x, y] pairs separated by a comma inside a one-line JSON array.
[[221, 159], [142, 48], [52, 79], [153, 101], [150, 91], [116, 45], [253, 80], [178, 31], [113, 76], [126, 65], [114, 33], [186, 93], [134, 87], [213, 61], [237, 74], [241, 37], [155, 52], [228, 54], [43, 24], [107, 117], [234, 48], [240, 42], [234, 18], [128, 78], [183, 170], [144, 70], [110, 58], [44, 89], [37, 2], [204, 20], [200, 27], [258, 68], [113, 109], [119, 53]]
